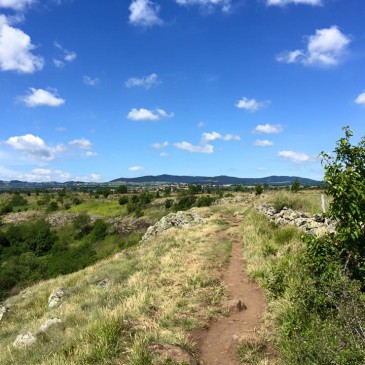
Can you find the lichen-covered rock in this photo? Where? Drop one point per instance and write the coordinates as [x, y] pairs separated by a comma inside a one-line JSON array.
[[180, 220], [24, 340], [50, 322], [55, 298]]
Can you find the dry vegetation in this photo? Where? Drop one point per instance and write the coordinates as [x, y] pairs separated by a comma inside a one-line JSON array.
[[155, 293]]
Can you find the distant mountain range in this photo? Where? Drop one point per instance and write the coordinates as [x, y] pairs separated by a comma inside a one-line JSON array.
[[164, 179], [219, 180]]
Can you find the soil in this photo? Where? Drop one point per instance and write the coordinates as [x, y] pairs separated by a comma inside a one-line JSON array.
[[218, 344]]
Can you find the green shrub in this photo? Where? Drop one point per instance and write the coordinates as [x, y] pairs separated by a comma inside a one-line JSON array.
[[205, 201]]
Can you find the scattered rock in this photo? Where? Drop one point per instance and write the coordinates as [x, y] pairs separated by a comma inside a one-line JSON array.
[[234, 305], [3, 311], [24, 340], [55, 298], [102, 283], [60, 219], [173, 353], [50, 322], [180, 219]]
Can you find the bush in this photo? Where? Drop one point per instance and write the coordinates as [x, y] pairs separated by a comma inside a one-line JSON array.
[[185, 203], [205, 201], [99, 230], [123, 200], [259, 189]]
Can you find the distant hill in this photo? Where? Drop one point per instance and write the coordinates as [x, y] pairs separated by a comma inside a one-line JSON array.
[[219, 180]]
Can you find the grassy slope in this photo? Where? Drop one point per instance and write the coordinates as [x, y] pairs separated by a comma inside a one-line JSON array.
[[156, 292]]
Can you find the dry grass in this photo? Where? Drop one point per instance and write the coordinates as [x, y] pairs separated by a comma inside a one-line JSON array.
[[156, 292]]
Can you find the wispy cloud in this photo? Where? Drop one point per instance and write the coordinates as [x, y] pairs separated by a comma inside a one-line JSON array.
[[16, 4], [158, 146], [186, 146], [360, 99], [210, 137], [67, 56], [251, 105], [16, 48], [136, 168], [296, 2], [145, 81], [296, 157], [209, 5], [41, 97], [90, 81], [326, 47], [82, 143], [144, 13], [146, 114], [268, 129], [263, 143]]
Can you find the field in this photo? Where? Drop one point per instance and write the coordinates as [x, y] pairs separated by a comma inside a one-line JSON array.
[[123, 299]]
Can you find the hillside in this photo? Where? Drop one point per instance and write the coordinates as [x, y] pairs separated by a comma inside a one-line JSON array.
[[220, 180]]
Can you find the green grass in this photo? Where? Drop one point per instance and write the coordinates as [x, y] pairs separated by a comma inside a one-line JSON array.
[[103, 208]]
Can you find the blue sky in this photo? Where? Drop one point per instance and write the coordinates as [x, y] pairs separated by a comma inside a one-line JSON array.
[[95, 90]]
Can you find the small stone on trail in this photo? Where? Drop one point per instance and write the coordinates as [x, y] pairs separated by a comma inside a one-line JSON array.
[[174, 353], [235, 305]]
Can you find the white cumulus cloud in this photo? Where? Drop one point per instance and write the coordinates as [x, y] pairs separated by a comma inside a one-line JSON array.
[[360, 99], [16, 50], [268, 129], [136, 168], [263, 143], [251, 105], [34, 147], [144, 13], [145, 81], [186, 146], [225, 5], [209, 137], [146, 114], [326, 47], [158, 146], [41, 97], [16, 4], [296, 157], [297, 2]]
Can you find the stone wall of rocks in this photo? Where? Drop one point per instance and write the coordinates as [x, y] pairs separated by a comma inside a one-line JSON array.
[[314, 224], [180, 219]]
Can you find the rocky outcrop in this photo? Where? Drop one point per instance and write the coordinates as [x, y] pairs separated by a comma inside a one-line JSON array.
[[180, 220], [21, 217], [55, 298], [315, 224], [128, 225]]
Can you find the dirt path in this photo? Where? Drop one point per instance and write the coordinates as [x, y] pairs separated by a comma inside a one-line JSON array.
[[217, 345]]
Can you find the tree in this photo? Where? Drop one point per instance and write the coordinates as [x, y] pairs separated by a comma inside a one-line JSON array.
[[345, 182], [121, 189], [295, 186], [259, 189]]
